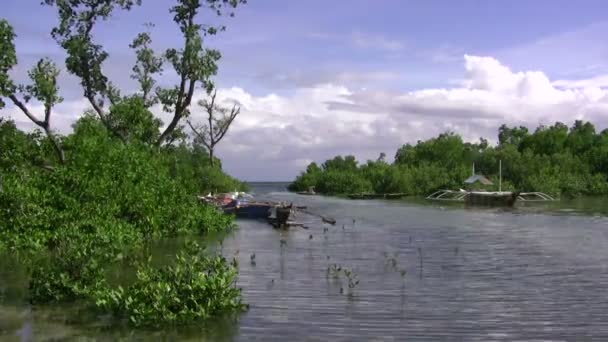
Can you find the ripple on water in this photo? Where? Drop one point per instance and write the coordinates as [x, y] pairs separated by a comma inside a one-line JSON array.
[[476, 275]]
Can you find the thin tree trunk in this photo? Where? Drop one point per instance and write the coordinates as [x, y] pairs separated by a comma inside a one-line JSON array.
[[211, 157]]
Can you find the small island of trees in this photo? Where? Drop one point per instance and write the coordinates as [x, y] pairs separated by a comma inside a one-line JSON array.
[[557, 160]]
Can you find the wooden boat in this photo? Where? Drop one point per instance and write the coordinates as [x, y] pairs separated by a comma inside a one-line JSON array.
[[491, 198], [487, 198], [243, 208], [365, 196], [395, 196], [282, 214], [376, 196]]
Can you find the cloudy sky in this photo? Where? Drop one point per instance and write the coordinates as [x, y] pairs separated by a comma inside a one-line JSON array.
[[318, 78]]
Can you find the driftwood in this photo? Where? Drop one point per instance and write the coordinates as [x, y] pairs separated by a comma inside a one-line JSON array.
[[325, 219]]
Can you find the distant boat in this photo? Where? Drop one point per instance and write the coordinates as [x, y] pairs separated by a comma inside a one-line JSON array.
[[310, 191], [491, 198], [487, 198]]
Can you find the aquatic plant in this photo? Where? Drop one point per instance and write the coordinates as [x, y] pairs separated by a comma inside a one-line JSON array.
[[195, 287], [341, 273]]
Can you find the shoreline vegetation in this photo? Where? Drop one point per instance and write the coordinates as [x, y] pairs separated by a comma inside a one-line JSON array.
[[81, 212], [557, 160]]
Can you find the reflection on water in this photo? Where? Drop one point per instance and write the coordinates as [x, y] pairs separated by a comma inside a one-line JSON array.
[[426, 271]]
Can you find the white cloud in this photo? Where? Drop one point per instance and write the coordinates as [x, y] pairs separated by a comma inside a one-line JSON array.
[[370, 41], [600, 81], [277, 135]]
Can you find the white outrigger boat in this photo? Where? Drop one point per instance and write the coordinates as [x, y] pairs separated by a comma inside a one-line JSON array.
[[488, 198]]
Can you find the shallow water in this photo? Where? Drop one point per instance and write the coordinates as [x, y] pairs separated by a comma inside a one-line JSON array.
[[535, 272]]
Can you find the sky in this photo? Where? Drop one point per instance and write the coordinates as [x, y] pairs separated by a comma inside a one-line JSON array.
[[318, 78]]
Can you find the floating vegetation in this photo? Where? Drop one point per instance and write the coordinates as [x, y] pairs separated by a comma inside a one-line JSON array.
[[344, 274], [391, 261]]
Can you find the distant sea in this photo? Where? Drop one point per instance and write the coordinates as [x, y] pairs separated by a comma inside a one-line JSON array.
[[262, 188]]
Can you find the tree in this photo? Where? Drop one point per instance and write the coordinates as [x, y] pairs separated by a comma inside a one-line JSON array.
[[44, 86], [131, 118], [512, 136], [85, 59], [218, 122], [339, 163], [146, 66], [193, 63], [582, 137], [381, 158]]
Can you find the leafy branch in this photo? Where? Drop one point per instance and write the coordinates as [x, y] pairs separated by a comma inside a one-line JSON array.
[[44, 86]]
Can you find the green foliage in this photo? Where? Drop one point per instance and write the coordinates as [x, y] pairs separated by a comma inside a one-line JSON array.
[[44, 88], [131, 119], [8, 59], [195, 287], [116, 184], [104, 206], [555, 160], [190, 165], [342, 182], [147, 65]]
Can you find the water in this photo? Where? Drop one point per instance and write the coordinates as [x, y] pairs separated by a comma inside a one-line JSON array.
[[536, 272]]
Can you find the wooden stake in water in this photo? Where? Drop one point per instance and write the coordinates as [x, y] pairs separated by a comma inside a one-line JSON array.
[[500, 175]]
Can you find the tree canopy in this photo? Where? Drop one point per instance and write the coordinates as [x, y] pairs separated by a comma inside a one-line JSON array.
[[557, 159], [74, 206]]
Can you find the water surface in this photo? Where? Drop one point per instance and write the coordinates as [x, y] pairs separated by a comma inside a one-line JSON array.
[[535, 272]]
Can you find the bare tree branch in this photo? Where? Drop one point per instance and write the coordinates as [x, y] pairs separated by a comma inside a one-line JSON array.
[[25, 111], [45, 125], [219, 120]]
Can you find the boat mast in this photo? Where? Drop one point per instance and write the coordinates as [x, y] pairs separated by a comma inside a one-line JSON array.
[[500, 175]]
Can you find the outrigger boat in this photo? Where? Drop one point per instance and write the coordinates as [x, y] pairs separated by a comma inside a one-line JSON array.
[[488, 198], [244, 205]]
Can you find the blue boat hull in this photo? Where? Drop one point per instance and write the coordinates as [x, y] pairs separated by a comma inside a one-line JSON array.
[[251, 211]]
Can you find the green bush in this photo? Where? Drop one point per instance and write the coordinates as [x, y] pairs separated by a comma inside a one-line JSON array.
[[195, 287], [105, 206], [337, 182]]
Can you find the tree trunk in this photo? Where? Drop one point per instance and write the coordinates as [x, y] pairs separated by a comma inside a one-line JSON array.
[[211, 157]]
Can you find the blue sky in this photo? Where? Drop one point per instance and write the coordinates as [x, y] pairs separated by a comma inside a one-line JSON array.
[[288, 59]]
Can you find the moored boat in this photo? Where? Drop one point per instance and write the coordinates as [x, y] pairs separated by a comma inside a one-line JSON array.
[[491, 198], [243, 208], [476, 195]]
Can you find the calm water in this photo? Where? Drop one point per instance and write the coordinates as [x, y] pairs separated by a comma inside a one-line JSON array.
[[536, 272]]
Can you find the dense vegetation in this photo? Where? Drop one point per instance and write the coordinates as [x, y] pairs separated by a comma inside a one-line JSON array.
[[103, 208], [557, 160], [76, 209]]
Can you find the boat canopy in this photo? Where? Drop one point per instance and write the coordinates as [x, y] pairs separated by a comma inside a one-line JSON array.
[[478, 178]]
